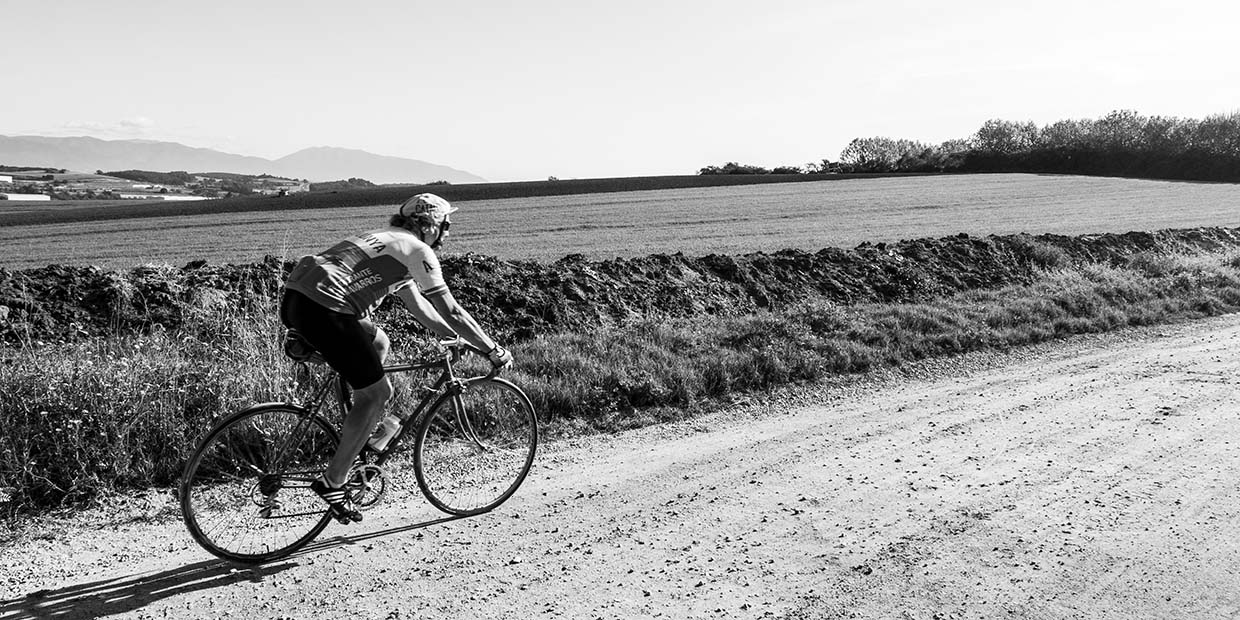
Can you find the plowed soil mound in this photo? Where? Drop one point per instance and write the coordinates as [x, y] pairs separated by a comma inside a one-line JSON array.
[[520, 299]]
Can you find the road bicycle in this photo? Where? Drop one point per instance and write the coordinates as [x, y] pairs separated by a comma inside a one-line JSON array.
[[245, 493]]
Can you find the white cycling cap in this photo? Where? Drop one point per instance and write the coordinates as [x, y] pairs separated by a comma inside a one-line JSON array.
[[427, 204]]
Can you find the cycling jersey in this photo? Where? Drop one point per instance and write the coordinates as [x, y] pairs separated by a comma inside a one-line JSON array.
[[354, 275]]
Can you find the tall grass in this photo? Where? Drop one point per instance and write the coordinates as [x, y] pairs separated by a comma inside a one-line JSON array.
[[85, 417], [104, 415], [588, 379]]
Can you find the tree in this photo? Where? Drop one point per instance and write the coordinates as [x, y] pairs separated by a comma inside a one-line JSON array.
[[880, 154], [825, 166], [955, 146], [1119, 130], [1005, 137], [1162, 134], [869, 154], [733, 168], [1063, 135], [1219, 134]]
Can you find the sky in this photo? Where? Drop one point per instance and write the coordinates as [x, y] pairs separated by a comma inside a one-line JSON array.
[[515, 91]]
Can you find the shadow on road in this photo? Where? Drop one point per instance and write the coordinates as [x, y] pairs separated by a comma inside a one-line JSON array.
[[124, 594], [340, 541]]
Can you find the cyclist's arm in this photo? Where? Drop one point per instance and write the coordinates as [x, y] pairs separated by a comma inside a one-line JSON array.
[[424, 312], [426, 273], [460, 320]]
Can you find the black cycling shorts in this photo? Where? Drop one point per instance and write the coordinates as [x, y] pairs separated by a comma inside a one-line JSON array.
[[344, 340]]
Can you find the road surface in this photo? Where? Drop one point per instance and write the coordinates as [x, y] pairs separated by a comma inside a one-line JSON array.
[[1097, 477]]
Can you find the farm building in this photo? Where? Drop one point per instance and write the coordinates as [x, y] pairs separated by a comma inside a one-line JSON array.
[[6, 178], [182, 197], [12, 196]]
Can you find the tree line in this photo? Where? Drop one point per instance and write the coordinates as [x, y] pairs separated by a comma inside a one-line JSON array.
[[29, 169], [176, 177], [1122, 143]]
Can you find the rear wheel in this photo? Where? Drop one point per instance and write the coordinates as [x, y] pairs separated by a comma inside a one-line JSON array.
[[475, 448], [246, 496]]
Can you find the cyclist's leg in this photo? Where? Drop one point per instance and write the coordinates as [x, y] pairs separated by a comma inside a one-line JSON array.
[[355, 348], [367, 407]]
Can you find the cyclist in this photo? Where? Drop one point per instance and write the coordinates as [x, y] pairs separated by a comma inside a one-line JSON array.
[[328, 299]]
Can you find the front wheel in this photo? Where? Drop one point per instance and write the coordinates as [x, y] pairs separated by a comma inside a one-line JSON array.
[[245, 494], [475, 448]]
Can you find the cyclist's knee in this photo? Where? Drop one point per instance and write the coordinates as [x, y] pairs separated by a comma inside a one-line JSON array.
[[378, 339], [378, 392], [382, 344]]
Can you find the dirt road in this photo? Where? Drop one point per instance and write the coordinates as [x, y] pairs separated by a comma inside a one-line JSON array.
[[1096, 478]]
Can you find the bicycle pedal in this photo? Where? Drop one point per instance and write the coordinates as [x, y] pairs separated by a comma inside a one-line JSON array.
[[345, 517]]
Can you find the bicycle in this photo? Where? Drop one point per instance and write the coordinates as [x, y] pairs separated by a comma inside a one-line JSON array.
[[245, 493]]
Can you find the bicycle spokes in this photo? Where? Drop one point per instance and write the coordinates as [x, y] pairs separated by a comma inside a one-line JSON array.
[[246, 493], [475, 447]]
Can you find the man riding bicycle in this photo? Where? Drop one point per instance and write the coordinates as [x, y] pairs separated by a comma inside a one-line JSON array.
[[328, 299]]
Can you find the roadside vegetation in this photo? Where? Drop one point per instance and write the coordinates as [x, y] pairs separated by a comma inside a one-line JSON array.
[[1122, 143], [119, 413]]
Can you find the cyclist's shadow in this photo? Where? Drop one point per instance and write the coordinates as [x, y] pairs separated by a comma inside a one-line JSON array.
[[125, 594]]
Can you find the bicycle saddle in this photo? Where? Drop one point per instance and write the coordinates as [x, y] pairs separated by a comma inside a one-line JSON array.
[[298, 349]]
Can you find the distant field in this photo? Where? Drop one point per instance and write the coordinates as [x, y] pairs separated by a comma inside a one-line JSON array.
[[21, 209], [92, 210], [695, 221]]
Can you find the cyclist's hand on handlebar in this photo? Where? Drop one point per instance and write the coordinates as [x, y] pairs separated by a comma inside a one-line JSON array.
[[500, 357]]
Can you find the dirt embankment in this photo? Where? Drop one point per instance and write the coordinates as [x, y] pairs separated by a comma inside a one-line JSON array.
[[521, 299]]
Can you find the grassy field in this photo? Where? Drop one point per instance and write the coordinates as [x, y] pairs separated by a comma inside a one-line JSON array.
[[20, 210], [695, 221], [89, 211]]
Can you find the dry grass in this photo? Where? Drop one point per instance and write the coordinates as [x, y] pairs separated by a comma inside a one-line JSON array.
[[118, 414], [586, 379]]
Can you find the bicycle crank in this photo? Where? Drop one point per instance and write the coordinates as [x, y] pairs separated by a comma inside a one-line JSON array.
[[368, 484]]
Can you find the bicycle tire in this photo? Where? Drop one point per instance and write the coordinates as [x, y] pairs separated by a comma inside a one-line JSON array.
[[245, 493], [463, 472]]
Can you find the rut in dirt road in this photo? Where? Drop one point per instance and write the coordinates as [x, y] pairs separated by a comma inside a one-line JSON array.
[[1094, 478]]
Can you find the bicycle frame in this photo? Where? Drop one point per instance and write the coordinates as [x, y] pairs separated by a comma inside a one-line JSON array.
[[433, 393], [445, 386], [270, 484]]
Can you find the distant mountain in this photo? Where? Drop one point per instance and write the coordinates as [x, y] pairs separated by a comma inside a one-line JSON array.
[[327, 163], [316, 164]]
